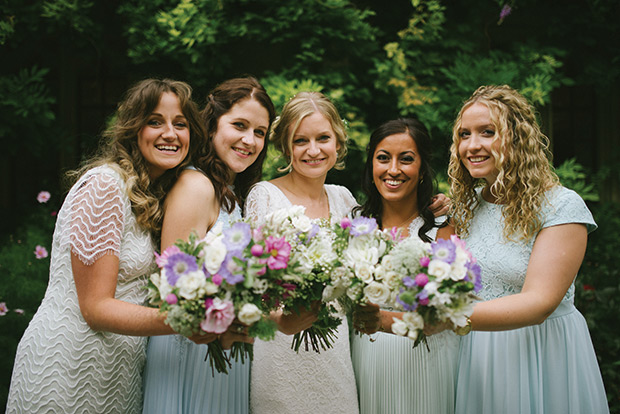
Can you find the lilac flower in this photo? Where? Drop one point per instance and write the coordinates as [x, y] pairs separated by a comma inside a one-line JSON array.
[[473, 275], [422, 298], [444, 250], [230, 271], [279, 251], [43, 197], [506, 10], [313, 231], [409, 282], [162, 259], [179, 264], [238, 236], [3, 308], [40, 252], [362, 225]]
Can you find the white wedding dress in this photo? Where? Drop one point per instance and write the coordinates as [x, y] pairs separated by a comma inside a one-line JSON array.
[[283, 381]]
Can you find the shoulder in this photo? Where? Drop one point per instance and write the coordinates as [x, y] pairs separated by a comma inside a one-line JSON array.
[[194, 183], [339, 191], [101, 182], [563, 206]]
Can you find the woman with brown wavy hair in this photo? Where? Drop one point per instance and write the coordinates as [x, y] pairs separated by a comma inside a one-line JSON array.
[[238, 116], [530, 349], [84, 349]]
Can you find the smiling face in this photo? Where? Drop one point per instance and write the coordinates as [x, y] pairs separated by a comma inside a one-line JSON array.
[[164, 140], [240, 134], [314, 147], [396, 168], [477, 141]]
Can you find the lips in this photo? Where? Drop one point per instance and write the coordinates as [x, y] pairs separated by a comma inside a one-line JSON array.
[[172, 148], [242, 151], [313, 162], [477, 159]]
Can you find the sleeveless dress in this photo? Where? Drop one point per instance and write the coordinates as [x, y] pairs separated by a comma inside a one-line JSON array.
[[393, 377], [62, 365], [283, 381], [546, 368], [178, 380]]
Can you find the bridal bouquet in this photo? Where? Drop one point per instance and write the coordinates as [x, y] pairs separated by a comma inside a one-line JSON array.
[[361, 275], [205, 284], [437, 283]]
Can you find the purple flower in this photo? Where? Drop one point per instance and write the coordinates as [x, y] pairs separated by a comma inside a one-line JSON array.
[[421, 279], [279, 251], [345, 223], [505, 12], [422, 298], [179, 264], [172, 299], [162, 259], [217, 279], [3, 308], [409, 307], [409, 282], [474, 275], [40, 252], [43, 197], [231, 271], [444, 250], [313, 231], [238, 236], [362, 225]]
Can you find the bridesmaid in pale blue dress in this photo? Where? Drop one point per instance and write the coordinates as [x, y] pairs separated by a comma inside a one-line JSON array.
[[530, 350], [238, 115], [391, 375]]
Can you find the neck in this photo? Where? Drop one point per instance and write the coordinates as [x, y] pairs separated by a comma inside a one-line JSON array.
[[399, 214], [305, 187]]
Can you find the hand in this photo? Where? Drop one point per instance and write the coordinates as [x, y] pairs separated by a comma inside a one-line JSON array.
[[367, 318], [203, 337], [237, 332], [435, 329], [440, 205], [293, 323]]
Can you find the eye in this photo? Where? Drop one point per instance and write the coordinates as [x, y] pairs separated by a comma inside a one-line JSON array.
[[153, 122], [324, 138], [259, 133], [407, 159], [488, 133], [239, 125], [299, 141], [463, 134], [382, 158], [181, 125]]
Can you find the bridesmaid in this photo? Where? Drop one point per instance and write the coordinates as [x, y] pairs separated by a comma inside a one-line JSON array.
[[311, 135], [84, 349], [238, 115], [530, 350], [391, 375]]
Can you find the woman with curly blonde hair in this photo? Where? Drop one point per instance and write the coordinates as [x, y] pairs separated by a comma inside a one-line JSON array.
[[85, 348], [530, 350]]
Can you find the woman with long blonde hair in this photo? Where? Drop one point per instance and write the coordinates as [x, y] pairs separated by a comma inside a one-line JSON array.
[[529, 350]]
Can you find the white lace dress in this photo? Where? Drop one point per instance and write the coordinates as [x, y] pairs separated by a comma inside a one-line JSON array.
[[283, 381], [62, 366], [393, 377]]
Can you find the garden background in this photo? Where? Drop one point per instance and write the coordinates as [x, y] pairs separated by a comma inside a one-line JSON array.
[[66, 63]]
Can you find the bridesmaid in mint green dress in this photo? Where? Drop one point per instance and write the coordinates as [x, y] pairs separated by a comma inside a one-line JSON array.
[[530, 350], [238, 115]]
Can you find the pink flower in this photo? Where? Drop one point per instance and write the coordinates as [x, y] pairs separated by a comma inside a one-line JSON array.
[[172, 299], [43, 197], [421, 279], [424, 261], [279, 251], [19, 311], [162, 259], [40, 252], [345, 222], [217, 279], [257, 234], [3, 308], [257, 250], [218, 316]]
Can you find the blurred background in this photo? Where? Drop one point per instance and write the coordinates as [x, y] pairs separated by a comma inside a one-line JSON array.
[[66, 64]]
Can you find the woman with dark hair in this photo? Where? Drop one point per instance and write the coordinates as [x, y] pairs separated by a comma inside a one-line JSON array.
[[391, 375], [238, 116], [84, 349]]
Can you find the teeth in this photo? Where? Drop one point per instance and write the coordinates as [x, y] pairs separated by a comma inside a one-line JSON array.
[[244, 152], [166, 147], [394, 182], [313, 161], [477, 159]]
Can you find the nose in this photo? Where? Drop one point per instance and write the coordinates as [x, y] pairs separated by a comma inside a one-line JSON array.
[[169, 133], [314, 150], [248, 138], [474, 142], [393, 167]]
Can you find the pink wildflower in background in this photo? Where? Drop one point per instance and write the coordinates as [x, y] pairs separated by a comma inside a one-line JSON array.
[[3, 308], [40, 252], [19, 311], [43, 197]]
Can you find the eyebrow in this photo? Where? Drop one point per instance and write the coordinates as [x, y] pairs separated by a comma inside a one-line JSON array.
[[239, 118], [401, 153]]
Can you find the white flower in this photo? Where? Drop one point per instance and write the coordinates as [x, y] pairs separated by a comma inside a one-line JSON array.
[[354, 292], [192, 285], [365, 273], [412, 334], [302, 223], [377, 293], [439, 269], [458, 271], [359, 252], [440, 299], [399, 327], [249, 313], [162, 283], [391, 279], [260, 286], [413, 320], [214, 253], [211, 288]]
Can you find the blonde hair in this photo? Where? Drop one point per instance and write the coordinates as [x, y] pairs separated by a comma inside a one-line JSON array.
[[300, 106], [119, 148], [523, 161]]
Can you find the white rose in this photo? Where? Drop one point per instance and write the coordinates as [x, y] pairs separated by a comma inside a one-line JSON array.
[[365, 273], [164, 287], [249, 313], [211, 288], [413, 320], [412, 334], [192, 284], [354, 292], [399, 327], [359, 252], [215, 253], [302, 223], [214, 233], [391, 279], [439, 269], [458, 271], [377, 293]]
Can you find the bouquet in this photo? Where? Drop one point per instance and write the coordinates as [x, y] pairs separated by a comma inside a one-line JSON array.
[[205, 284], [438, 284]]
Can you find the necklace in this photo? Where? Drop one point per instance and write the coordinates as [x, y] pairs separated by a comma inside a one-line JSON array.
[[407, 221]]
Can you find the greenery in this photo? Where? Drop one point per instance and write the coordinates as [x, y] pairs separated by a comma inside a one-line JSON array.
[[66, 63]]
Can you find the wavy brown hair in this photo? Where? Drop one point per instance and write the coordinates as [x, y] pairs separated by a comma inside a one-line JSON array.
[[119, 148], [523, 161], [219, 102], [300, 106]]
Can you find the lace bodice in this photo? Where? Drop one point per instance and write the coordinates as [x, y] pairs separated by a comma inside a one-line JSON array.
[[504, 263], [96, 371]]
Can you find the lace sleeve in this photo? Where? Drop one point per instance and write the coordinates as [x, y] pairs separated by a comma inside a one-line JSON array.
[[257, 202], [97, 218]]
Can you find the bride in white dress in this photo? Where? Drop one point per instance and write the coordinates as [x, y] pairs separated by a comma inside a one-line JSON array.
[[311, 134]]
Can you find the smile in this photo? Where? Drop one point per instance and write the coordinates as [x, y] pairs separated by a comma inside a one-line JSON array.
[[478, 159], [394, 183], [314, 162], [172, 148], [242, 151]]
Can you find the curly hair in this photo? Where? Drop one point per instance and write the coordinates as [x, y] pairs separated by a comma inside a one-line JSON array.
[[119, 148], [219, 102], [300, 106], [523, 161], [373, 206]]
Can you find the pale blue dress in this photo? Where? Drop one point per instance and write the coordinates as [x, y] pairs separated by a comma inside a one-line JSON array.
[[178, 380], [547, 368], [393, 377]]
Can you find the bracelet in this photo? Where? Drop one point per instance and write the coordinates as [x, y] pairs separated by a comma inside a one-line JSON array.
[[463, 330]]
